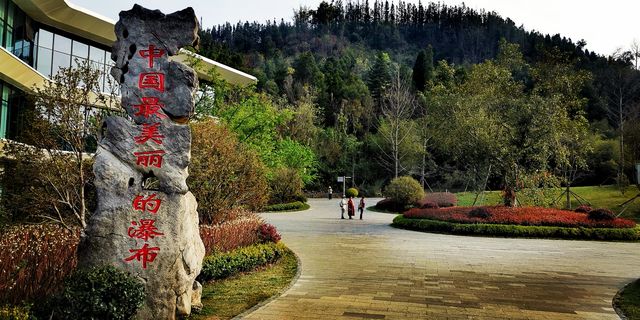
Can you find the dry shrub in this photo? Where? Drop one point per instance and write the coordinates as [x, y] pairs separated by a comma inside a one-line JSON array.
[[232, 234], [34, 260]]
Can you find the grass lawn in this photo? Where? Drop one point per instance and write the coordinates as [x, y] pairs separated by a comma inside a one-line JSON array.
[[599, 197], [629, 301], [227, 298]]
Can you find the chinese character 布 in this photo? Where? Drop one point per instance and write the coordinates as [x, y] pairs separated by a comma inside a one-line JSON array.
[[149, 107], [150, 203], [152, 80], [149, 158], [149, 132], [151, 53], [143, 229], [144, 254]]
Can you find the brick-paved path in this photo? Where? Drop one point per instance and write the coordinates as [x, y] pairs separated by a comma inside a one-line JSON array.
[[354, 269]]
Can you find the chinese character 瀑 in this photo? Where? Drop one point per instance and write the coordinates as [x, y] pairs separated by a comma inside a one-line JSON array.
[[151, 53], [149, 132], [144, 254], [144, 229], [153, 80], [149, 158], [150, 106], [150, 204]]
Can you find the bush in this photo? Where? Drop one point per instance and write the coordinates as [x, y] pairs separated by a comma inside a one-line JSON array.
[[223, 173], [426, 204], [292, 206], [96, 293], [351, 192], [442, 199], [626, 234], [389, 205], [583, 209], [14, 313], [268, 233], [222, 265], [601, 214], [479, 212], [231, 235], [404, 190], [35, 260], [285, 186]]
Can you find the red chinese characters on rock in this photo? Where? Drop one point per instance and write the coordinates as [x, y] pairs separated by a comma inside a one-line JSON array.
[[151, 80], [149, 158], [144, 254], [149, 204], [151, 53], [150, 131], [144, 229], [150, 107]]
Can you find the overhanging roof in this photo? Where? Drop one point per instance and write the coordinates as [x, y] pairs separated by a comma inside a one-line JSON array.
[[86, 24]]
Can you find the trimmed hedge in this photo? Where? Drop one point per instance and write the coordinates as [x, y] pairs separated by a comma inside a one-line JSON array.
[[503, 230], [291, 206], [223, 265]]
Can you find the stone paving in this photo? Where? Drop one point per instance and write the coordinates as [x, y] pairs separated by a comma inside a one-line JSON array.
[[365, 269]]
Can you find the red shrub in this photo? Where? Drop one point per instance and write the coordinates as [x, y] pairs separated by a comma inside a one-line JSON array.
[[231, 235], [601, 214], [268, 233], [34, 260], [583, 209], [442, 199], [479, 212], [528, 216], [426, 204]]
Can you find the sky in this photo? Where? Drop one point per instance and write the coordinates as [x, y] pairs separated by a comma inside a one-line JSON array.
[[604, 25]]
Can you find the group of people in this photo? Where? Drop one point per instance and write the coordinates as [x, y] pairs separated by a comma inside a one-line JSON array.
[[348, 205]]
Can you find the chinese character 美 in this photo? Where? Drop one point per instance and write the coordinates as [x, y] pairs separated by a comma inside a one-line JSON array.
[[144, 229], [150, 106], [149, 132], [151, 53], [149, 158], [144, 254], [150, 204], [153, 80]]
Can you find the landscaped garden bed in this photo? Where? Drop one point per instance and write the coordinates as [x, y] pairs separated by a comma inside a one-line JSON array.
[[533, 222], [627, 302]]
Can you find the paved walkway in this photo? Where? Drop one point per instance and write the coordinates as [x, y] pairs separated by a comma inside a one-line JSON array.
[[353, 269]]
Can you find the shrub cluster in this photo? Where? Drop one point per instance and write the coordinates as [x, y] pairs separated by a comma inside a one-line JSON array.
[[479, 212], [601, 214], [426, 204], [442, 199], [583, 209], [222, 265], [351, 192], [35, 260], [96, 293], [286, 186], [389, 205], [627, 234], [268, 233], [291, 206], [526, 216], [14, 313], [404, 190], [231, 235]]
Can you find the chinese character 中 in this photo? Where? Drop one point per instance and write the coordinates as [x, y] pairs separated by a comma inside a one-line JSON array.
[[150, 204], [150, 106], [144, 254], [149, 132], [149, 158], [153, 80], [143, 229], [151, 53]]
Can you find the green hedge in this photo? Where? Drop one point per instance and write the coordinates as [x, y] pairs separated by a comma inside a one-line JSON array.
[[291, 206], [502, 230], [222, 265]]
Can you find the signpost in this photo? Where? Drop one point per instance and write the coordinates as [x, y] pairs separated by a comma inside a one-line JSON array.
[[343, 179]]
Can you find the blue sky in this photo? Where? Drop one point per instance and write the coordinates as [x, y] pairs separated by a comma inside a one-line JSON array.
[[605, 25]]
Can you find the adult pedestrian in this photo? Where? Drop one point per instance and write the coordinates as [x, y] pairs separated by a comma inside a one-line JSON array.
[[330, 192], [343, 207], [351, 211], [361, 207]]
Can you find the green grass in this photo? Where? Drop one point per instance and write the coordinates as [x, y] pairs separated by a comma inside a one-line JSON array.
[[287, 207], [227, 298], [599, 197], [629, 301]]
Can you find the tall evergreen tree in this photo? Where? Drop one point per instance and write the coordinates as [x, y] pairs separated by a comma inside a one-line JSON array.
[[423, 69], [379, 77]]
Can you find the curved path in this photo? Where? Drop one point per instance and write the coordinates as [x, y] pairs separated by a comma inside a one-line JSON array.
[[353, 269]]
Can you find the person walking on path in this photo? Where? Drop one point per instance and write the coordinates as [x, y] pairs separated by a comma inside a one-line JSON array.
[[343, 207], [351, 208], [361, 206], [330, 192]]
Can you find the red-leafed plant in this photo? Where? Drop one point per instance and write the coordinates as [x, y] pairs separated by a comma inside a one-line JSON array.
[[231, 235], [268, 233], [426, 204], [583, 209], [442, 199], [601, 214]]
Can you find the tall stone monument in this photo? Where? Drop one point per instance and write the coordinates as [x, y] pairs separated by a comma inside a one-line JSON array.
[[146, 221]]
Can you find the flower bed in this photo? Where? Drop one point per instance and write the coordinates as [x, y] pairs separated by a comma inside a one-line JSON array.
[[523, 216]]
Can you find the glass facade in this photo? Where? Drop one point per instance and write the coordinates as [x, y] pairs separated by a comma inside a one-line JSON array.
[[12, 103]]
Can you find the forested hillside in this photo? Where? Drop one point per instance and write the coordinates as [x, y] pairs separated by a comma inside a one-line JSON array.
[[455, 97]]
